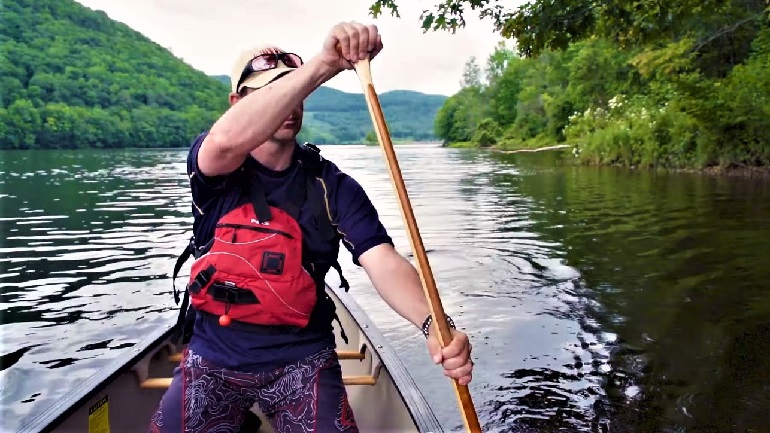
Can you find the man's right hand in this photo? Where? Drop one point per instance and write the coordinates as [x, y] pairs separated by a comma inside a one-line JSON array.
[[356, 41]]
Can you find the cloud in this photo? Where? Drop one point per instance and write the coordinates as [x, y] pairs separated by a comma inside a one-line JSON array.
[[208, 34]]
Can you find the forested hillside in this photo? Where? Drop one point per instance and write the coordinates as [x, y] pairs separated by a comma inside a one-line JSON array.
[[333, 116], [72, 77], [678, 83]]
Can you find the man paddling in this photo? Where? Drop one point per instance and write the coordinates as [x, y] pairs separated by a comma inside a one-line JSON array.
[[269, 216]]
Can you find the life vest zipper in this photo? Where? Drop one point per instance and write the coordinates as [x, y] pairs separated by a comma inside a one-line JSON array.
[[255, 228]]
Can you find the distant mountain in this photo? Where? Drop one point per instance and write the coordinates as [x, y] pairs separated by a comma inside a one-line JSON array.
[[334, 116], [76, 78]]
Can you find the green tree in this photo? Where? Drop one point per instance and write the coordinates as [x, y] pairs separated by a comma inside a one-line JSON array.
[[471, 74], [371, 137], [487, 133], [541, 24], [22, 121], [670, 84]]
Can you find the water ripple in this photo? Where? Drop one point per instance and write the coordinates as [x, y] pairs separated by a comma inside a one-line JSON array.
[[597, 300]]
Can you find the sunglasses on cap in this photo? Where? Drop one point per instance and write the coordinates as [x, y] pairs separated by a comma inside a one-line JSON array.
[[267, 61]]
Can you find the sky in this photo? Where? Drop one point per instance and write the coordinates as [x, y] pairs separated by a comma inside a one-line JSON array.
[[208, 34]]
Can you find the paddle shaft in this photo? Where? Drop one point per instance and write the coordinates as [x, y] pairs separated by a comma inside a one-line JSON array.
[[364, 73]]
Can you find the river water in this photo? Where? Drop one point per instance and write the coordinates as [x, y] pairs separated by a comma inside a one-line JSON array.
[[597, 299]]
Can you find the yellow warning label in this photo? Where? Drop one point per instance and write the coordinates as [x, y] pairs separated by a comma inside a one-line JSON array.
[[98, 417]]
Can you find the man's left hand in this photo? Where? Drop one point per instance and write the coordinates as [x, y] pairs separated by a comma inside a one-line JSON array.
[[455, 357]]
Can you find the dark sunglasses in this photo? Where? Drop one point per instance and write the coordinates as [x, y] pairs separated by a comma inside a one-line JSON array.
[[267, 61]]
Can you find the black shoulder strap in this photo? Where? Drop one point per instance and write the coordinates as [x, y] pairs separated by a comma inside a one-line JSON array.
[[258, 199], [313, 164], [183, 326], [299, 190], [311, 159]]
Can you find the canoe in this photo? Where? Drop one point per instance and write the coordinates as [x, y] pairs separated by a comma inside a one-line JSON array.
[[123, 396]]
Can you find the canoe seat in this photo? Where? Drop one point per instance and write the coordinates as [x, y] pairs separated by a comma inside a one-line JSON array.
[[342, 354], [351, 354], [165, 382]]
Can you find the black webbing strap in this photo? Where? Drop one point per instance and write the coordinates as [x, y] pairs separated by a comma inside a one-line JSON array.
[[178, 266], [201, 279], [297, 194], [232, 294], [258, 200], [343, 282]]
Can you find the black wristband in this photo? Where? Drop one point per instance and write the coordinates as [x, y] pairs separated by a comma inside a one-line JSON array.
[[429, 320]]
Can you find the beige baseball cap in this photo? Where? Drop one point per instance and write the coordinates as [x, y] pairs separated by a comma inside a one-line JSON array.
[[256, 79]]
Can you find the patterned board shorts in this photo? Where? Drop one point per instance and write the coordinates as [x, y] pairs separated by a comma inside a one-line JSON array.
[[305, 397]]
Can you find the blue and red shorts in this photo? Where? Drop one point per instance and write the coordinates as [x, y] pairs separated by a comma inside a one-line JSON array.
[[305, 397]]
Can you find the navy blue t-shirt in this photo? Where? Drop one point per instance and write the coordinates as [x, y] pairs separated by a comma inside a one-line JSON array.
[[352, 214]]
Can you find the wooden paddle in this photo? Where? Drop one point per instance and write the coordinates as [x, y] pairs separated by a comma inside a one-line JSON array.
[[363, 70]]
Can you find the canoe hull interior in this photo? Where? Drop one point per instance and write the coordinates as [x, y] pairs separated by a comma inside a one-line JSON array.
[[122, 399]]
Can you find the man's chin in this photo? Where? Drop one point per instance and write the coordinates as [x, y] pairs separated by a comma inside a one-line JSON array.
[[285, 135]]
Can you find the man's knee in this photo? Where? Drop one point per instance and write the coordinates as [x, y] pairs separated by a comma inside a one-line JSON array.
[[168, 416], [334, 411], [202, 398]]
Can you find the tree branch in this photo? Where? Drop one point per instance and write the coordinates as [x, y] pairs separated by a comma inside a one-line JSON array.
[[723, 31]]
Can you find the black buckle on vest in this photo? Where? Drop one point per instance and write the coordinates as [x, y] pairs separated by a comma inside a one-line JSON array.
[[231, 294], [201, 279]]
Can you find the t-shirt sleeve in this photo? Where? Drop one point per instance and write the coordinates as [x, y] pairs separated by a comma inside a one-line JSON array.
[[194, 172], [203, 188], [356, 218]]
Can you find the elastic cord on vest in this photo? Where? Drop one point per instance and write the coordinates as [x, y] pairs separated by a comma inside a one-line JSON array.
[[224, 319]]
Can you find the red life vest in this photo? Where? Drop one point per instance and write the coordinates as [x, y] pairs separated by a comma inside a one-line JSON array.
[[256, 269], [253, 272]]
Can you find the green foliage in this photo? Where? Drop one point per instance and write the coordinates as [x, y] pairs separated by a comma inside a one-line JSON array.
[[456, 120], [629, 133], [72, 77], [371, 137], [671, 84], [724, 28], [487, 133]]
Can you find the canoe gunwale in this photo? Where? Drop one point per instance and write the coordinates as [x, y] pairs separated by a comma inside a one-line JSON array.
[[419, 409], [421, 412], [50, 418]]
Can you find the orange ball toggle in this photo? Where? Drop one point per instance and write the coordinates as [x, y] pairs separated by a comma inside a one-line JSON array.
[[224, 320]]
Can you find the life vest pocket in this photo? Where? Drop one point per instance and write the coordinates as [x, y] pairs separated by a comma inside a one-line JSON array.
[[255, 228]]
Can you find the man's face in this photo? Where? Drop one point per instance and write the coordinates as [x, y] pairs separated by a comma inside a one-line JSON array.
[[292, 125]]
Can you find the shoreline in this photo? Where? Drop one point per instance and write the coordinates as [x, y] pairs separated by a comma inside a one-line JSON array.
[[536, 149], [742, 171], [746, 172]]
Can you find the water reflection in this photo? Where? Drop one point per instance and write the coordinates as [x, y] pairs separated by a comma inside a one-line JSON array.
[[597, 299], [552, 355], [675, 265], [87, 245]]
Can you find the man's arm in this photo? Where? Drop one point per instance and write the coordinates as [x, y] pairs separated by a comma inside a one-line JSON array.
[[394, 278], [399, 285], [397, 282], [254, 119]]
